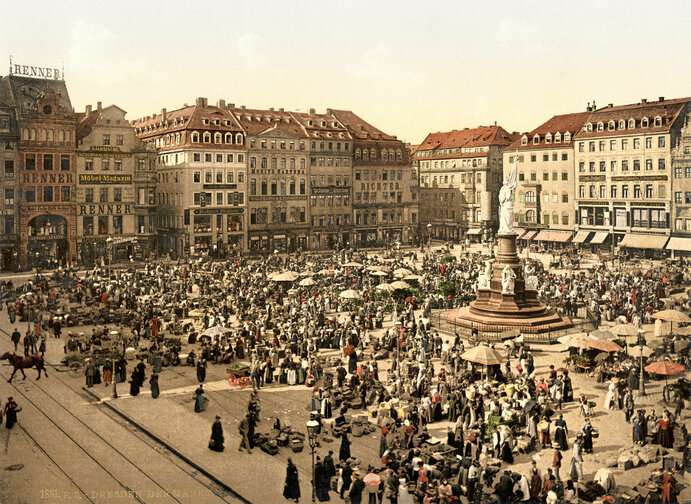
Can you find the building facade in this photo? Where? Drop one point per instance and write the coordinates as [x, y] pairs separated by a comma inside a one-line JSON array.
[[681, 190], [385, 208], [545, 194], [460, 178], [47, 224], [623, 160], [113, 211], [200, 178], [9, 197]]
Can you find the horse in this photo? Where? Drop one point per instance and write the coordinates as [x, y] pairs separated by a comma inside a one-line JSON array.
[[21, 363]]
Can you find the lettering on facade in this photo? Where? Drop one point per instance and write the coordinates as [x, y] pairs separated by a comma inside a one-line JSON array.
[[105, 209], [220, 186], [217, 211], [320, 191], [47, 178], [104, 179], [643, 178], [35, 71]]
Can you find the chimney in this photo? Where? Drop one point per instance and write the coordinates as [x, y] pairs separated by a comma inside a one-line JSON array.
[[313, 111], [587, 108], [644, 100], [88, 109], [221, 103], [243, 107], [201, 101], [271, 109], [610, 105], [594, 106], [98, 106], [231, 105], [281, 109], [661, 98], [164, 114]]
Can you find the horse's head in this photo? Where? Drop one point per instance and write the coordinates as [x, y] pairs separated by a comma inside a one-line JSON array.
[[5, 356]]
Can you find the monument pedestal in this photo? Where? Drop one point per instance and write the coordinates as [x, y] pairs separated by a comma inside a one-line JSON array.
[[497, 309]]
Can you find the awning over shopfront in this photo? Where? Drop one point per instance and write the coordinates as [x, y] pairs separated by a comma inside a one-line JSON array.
[[680, 244], [599, 238], [644, 241], [529, 235], [474, 231], [553, 236], [581, 237]]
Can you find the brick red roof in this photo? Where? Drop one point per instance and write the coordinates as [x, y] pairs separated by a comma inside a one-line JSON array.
[[571, 123], [358, 127], [482, 136]]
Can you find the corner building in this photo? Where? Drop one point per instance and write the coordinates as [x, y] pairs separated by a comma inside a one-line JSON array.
[[9, 194]]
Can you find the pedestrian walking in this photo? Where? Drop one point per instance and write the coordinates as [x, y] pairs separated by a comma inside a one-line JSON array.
[[201, 370], [291, 487], [16, 336], [244, 429], [10, 412], [153, 383], [216, 441]]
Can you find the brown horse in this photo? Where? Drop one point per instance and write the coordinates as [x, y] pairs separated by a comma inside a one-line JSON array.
[[21, 363]]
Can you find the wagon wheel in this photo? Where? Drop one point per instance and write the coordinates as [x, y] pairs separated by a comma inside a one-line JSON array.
[[75, 368]]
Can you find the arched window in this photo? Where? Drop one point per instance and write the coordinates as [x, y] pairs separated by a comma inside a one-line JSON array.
[[622, 124], [524, 140], [357, 154], [632, 123], [365, 154], [384, 155], [536, 139], [645, 122], [206, 137], [600, 126], [373, 154], [567, 137], [229, 138], [611, 125], [548, 138], [657, 121], [530, 215], [557, 137], [218, 138], [565, 218], [239, 138]]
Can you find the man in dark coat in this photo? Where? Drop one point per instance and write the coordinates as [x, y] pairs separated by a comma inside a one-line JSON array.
[[347, 477], [201, 370], [321, 481], [344, 452], [291, 488], [356, 488], [329, 465], [216, 442], [16, 336], [153, 383], [134, 383], [141, 373], [504, 488]]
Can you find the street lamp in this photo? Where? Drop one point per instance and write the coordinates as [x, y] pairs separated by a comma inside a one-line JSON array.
[[429, 235], [641, 343], [313, 429]]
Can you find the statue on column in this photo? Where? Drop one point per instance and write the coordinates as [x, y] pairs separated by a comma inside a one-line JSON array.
[[506, 201], [508, 280]]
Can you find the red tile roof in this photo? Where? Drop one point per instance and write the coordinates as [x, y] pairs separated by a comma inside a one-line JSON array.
[[358, 127], [482, 136], [571, 123]]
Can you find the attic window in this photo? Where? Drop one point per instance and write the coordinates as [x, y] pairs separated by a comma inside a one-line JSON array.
[[557, 137], [658, 121], [536, 139], [205, 120], [622, 124], [611, 125], [632, 123], [323, 124], [548, 138], [600, 126], [589, 127], [567, 137], [524, 140], [309, 123], [645, 122]]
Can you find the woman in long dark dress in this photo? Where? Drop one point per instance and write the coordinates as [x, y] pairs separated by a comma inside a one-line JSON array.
[[10, 412], [560, 433], [291, 488], [134, 383], [217, 440], [153, 382], [344, 451]]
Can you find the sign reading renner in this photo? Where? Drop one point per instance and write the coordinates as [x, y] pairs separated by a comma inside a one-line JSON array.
[[36, 71]]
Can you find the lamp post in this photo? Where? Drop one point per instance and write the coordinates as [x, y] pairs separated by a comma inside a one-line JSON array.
[[313, 429], [641, 343], [115, 337], [429, 235]]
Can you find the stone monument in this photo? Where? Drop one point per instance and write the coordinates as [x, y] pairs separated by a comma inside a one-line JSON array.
[[507, 292]]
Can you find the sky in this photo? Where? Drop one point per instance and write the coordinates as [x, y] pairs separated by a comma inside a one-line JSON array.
[[409, 68]]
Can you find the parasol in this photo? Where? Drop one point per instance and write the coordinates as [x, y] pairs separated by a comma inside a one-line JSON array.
[[601, 357], [402, 272], [216, 330], [286, 276], [483, 355], [602, 334], [352, 264], [412, 278], [665, 368], [575, 340], [641, 351], [624, 330], [603, 345], [384, 287], [400, 285], [680, 345], [307, 282], [379, 273], [325, 272], [672, 316], [350, 294]]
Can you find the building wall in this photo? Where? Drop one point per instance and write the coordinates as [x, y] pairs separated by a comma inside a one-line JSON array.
[[681, 181], [9, 194]]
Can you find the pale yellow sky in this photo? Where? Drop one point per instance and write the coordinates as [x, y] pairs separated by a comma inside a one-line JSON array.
[[407, 67]]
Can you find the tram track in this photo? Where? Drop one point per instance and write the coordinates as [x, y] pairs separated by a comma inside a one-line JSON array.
[[190, 473]]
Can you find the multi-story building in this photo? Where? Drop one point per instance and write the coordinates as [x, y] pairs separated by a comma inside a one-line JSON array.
[[114, 219], [623, 163], [9, 197], [330, 180], [201, 185], [681, 190], [278, 199], [460, 177], [385, 207], [46, 172], [545, 194]]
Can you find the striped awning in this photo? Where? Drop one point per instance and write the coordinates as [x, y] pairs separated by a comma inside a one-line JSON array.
[[581, 237], [599, 238], [529, 235], [644, 241], [679, 243], [553, 236]]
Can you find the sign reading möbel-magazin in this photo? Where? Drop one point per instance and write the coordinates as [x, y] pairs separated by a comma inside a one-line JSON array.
[[104, 179]]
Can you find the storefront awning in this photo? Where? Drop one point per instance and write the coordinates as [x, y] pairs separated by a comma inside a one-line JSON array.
[[529, 235], [279, 237], [581, 237], [553, 236], [679, 243], [599, 238], [519, 232], [474, 231], [644, 241]]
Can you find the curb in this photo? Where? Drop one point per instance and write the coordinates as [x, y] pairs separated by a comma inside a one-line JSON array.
[[171, 448]]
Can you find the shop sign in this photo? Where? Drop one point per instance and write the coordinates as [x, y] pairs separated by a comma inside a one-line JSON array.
[[33, 178], [104, 179], [35, 71], [106, 209]]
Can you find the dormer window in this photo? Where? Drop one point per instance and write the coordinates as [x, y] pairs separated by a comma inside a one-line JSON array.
[[611, 125], [600, 126], [557, 137], [323, 124], [657, 121], [239, 139], [632, 123], [548, 138], [207, 137], [205, 120], [536, 139], [218, 138], [229, 138], [524, 140], [567, 137], [589, 127], [644, 122], [195, 137]]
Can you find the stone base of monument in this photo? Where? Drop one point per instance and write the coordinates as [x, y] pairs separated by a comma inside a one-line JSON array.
[[506, 306]]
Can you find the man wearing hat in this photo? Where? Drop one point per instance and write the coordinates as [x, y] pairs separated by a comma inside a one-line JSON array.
[[216, 441], [356, 488]]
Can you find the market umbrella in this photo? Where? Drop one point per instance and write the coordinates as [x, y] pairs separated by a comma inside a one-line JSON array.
[[379, 273], [624, 330], [401, 272], [680, 345], [352, 264], [601, 357], [641, 351], [325, 272], [384, 287], [603, 345], [286, 276], [400, 285], [307, 273], [372, 480], [412, 278], [307, 282], [665, 368], [575, 340], [483, 355], [216, 330], [602, 334], [672, 316], [196, 313], [350, 294]]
